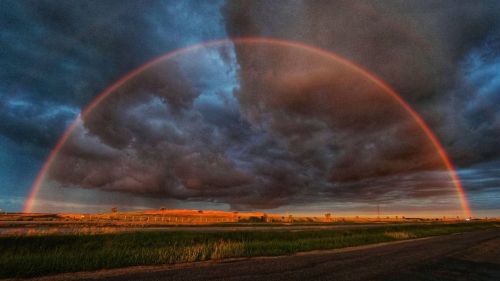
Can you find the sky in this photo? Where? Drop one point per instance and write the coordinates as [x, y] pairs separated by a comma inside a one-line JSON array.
[[238, 126]]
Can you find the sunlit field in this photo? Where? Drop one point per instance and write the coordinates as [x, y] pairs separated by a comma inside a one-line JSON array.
[[44, 254]]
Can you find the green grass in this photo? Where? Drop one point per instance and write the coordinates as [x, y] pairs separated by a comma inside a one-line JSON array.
[[27, 256]]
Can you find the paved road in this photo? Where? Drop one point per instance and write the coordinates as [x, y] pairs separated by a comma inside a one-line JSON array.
[[467, 256]]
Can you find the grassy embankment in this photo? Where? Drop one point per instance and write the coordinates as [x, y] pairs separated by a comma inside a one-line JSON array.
[[26, 256]]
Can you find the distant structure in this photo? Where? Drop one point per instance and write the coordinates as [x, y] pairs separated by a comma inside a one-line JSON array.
[[328, 216]]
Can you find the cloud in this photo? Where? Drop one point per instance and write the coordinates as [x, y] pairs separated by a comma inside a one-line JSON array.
[[56, 57], [404, 43], [294, 127], [412, 46], [447, 72], [33, 122], [250, 127], [62, 55]]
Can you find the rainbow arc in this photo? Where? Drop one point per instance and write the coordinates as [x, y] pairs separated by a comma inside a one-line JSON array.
[[256, 41]]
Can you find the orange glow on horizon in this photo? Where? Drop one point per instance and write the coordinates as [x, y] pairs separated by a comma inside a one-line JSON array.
[[253, 40]]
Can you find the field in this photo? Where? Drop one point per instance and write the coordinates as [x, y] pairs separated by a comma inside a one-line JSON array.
[[44, 254], [201, 217]]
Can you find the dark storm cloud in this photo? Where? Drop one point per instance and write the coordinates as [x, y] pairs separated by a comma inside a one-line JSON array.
[[483, 182], [442, 57], [62, 54], [167, 85], [30, 121], [249, 128], [334, 106], [475, 114], [56, 56], [405, 43], [412, 45], [163, 143], [292, 128]]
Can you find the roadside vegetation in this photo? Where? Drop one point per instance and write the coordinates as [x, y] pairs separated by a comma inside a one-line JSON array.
[[28, 256]]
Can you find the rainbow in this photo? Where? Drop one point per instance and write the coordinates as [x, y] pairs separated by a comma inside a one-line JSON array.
[[255, 41]]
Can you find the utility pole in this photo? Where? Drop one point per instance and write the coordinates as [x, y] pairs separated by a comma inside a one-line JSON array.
[[378, 211]]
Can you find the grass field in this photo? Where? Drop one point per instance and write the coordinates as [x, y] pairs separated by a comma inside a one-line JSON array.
[[27, 256]]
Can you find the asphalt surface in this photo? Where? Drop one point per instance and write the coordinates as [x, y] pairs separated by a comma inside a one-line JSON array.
[[466, 256]]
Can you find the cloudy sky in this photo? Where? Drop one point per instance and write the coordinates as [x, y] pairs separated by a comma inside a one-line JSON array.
[[250, 126]]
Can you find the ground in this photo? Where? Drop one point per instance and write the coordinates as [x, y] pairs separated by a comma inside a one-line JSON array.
[[461, 256]]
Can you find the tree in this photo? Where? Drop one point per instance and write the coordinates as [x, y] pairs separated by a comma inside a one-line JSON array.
[[328, 216], [265, 218], [114, 210]]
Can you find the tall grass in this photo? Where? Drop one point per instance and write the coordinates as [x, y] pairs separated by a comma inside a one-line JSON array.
[[27, 256]]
